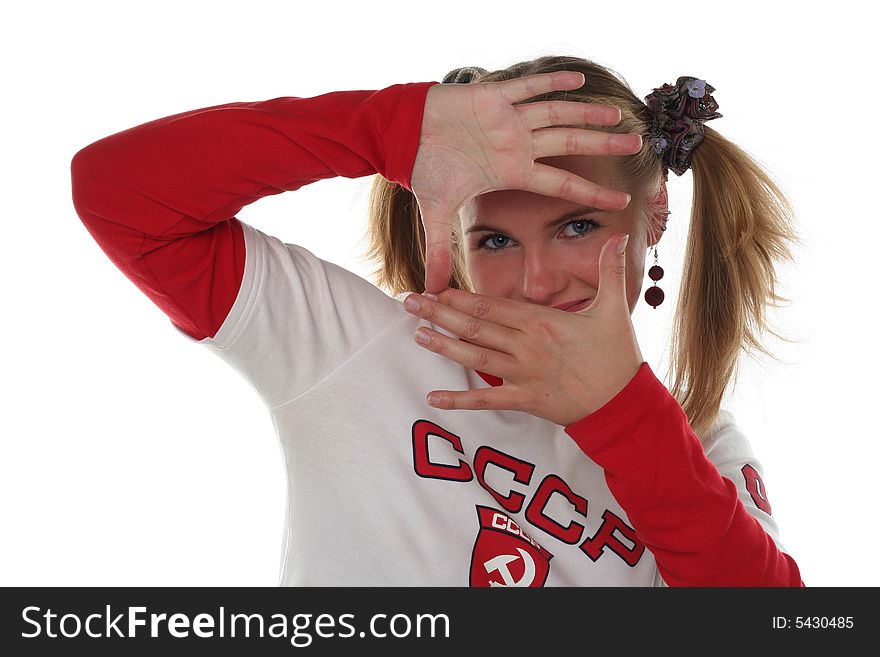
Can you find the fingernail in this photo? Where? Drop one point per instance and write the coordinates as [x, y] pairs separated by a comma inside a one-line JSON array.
[[433, 400], [422, 337], [429, 295], [621, 245], [411, 303]]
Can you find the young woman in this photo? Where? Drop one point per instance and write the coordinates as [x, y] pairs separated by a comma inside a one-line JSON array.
[[503, 430]]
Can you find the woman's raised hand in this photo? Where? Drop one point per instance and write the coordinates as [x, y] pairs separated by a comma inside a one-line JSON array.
[[475, 140], [557, 365]]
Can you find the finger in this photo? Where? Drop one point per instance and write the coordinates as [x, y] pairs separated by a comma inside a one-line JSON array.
[[548, 142], [483, 399], [529, 86], [471, 356], [566, 112], [506, 312], [552, 181], [612, 273], [438, 267], [438, 254], [474, 329]]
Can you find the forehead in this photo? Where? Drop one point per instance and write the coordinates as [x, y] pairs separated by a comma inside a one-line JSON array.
[[602, 171]]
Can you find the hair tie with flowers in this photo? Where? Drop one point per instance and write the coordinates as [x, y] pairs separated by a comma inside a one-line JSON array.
[[679, 113]]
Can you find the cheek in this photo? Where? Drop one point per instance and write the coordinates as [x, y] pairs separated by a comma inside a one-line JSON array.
[[582, 263], [579, 262], [492, 276]]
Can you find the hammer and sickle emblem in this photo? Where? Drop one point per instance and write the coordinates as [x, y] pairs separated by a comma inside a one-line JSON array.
[[500, 562]]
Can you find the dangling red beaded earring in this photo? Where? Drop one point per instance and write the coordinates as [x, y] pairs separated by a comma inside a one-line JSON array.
[[654, 295]]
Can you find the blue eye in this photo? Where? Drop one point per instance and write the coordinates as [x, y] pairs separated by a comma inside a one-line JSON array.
[[493, 242], [581, 227]]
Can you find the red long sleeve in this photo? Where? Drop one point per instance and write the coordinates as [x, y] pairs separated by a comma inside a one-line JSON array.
[[685, 512], [160, 198]]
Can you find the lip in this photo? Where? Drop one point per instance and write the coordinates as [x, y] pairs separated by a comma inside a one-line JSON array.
[[574, 306]]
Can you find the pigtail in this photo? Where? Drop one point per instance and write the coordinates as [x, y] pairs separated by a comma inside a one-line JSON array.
[[741, 228]]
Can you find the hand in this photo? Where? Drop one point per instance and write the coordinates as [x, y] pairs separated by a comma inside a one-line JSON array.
[[556, 365], [475, 140]]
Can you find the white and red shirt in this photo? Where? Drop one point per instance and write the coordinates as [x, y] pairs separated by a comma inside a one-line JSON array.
[[382, 489]]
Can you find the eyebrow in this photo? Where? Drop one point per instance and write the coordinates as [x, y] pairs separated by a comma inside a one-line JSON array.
[[550, 224]]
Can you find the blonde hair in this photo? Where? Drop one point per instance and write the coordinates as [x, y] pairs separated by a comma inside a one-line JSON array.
[[741, 226]]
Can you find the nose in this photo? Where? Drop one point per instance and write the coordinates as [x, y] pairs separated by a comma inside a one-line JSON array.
[[543, 279]]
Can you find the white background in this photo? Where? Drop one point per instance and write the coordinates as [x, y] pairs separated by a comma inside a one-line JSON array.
[[132, 457]]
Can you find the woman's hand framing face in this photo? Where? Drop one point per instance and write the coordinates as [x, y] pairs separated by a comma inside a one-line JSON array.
[[474, 139], [557, 365]]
